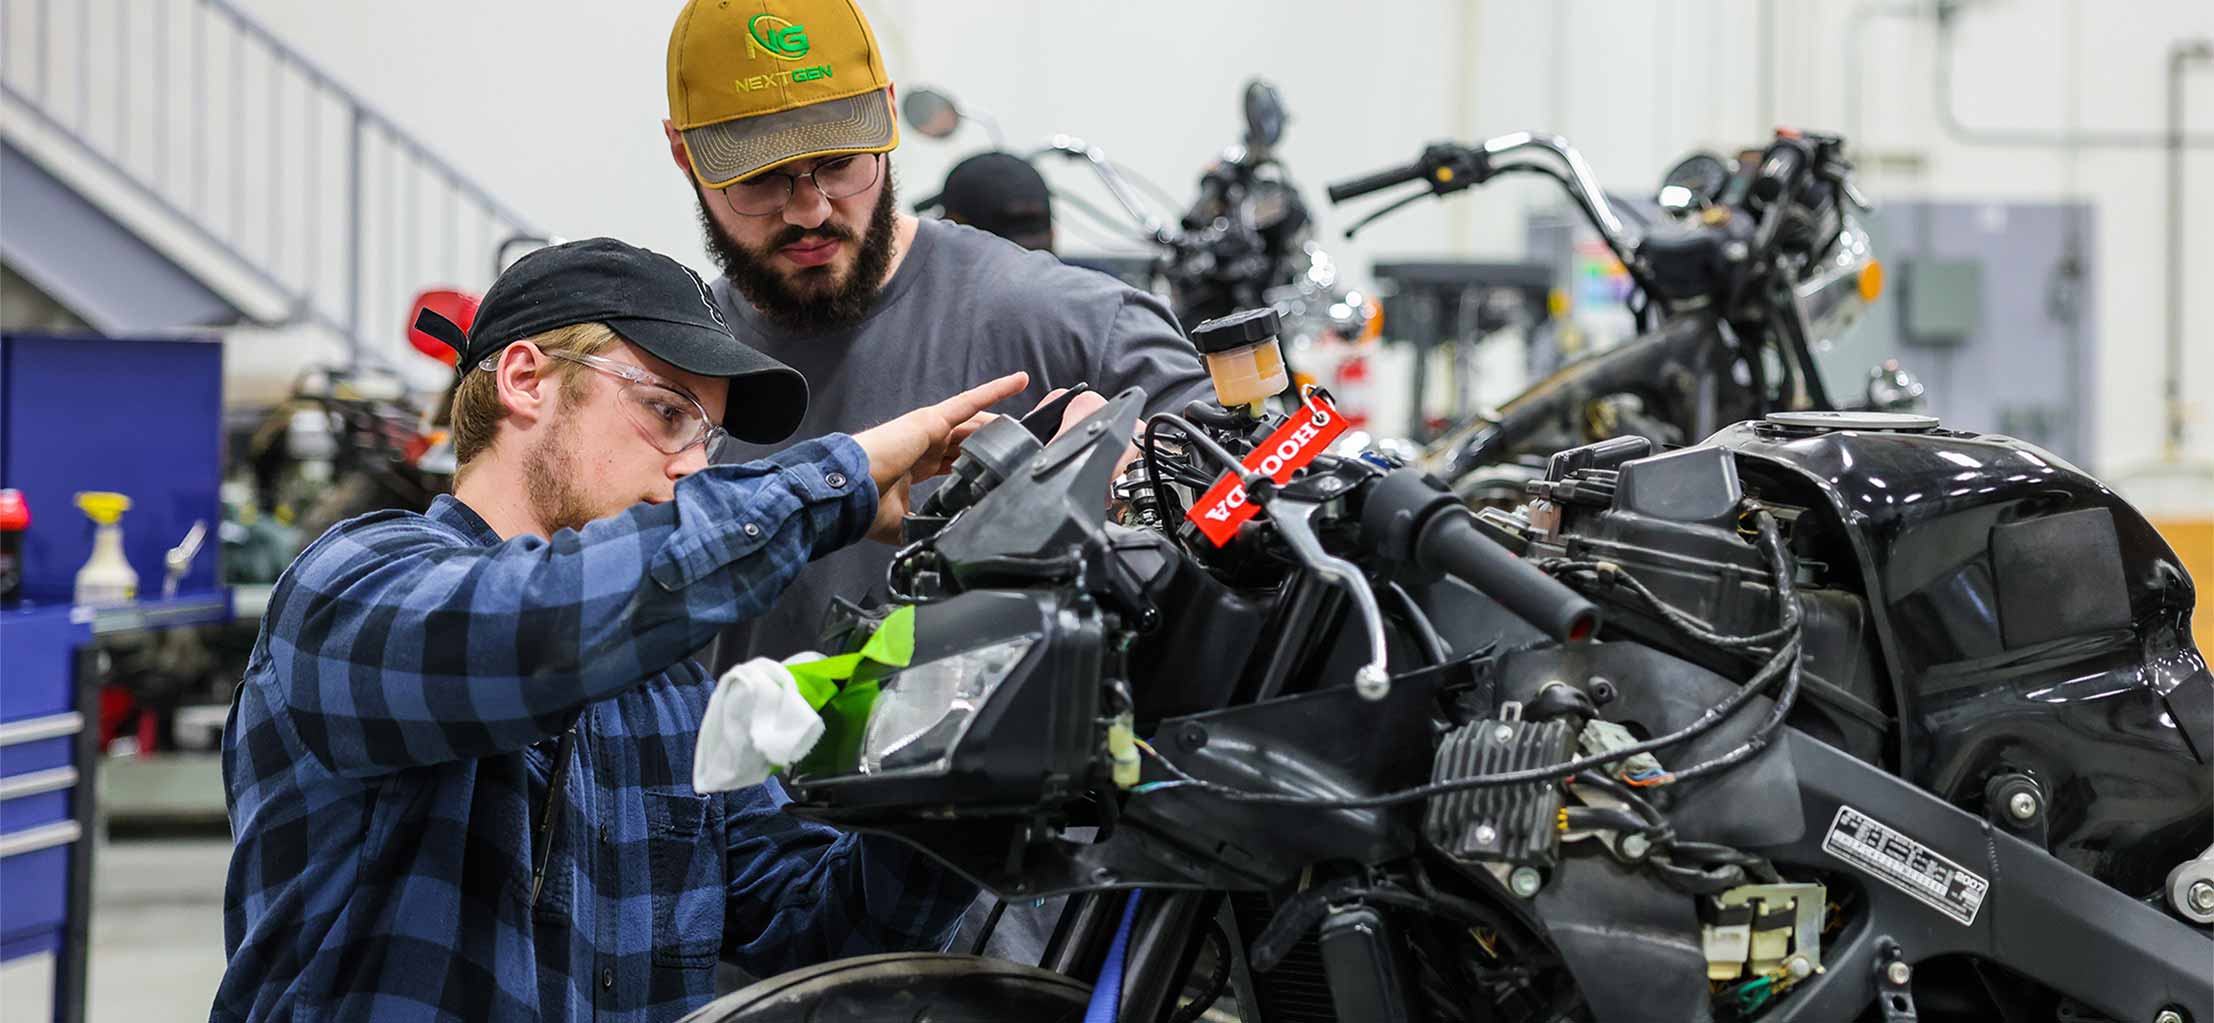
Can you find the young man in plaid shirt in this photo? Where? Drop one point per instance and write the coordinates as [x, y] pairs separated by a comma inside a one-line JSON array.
[[459, 766]]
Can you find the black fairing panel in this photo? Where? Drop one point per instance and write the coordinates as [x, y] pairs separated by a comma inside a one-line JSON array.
[[2032, 621]]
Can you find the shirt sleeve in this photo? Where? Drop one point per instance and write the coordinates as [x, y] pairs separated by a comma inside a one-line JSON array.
[[393, 645], [801, 893], [1143, 347]]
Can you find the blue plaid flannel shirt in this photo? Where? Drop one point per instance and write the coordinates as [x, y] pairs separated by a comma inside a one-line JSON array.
[[390, 750]]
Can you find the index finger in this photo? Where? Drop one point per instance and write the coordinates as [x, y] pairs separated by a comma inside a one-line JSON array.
[[963, 406]]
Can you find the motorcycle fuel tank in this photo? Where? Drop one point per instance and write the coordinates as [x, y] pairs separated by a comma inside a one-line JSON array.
[[2033, 622]]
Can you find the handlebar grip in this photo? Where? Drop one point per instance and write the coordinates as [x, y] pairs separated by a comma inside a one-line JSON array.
[[1378, 181], [1451, 543]]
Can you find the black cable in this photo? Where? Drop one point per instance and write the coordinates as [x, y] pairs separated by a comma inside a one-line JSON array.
[[991, 922], [1785, 658], [1193, 435], [1218, 981], [1426, 634]]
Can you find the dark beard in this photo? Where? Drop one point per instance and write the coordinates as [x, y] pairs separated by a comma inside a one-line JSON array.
[[845, 304]]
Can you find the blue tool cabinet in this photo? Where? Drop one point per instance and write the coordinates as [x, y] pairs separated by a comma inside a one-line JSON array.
[[141, 417]]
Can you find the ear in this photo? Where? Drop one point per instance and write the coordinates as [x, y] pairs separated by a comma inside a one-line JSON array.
[[526, 383], [677, 152]]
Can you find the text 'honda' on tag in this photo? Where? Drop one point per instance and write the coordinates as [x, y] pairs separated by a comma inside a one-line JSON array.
[[1223, 508]]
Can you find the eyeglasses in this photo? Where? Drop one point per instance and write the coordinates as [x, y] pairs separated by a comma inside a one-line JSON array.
[[765, 193], [672, 420]]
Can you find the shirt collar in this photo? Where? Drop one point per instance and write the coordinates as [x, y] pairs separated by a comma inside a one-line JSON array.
[[448, 510]]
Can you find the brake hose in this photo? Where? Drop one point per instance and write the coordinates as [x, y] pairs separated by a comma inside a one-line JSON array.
[[1106, 1003]]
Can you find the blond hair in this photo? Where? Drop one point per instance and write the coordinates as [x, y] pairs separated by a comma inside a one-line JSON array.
[[477, 410]]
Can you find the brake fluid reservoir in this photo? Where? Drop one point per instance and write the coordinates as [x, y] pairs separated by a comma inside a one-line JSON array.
[[1243, 356]]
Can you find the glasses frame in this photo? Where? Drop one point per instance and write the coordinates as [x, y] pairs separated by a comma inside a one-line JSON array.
[[708, 432], [791, 183]]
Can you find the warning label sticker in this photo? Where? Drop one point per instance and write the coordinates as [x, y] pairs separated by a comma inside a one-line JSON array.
[[1906, 864]]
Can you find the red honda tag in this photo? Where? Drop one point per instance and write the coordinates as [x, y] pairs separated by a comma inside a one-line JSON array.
[[1223, 508]]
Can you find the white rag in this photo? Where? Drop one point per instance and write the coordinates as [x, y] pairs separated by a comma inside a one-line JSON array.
[[757, 722]]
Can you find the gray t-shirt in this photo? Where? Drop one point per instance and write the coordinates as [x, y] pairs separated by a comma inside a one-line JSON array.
[[965, 306]]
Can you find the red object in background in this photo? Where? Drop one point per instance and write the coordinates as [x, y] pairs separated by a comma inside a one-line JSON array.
[[455, 305], [15, 517], [118, 711]]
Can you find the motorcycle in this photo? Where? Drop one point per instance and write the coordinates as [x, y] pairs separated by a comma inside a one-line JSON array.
[[1738, 268], [1829, 716], [1245, 241]]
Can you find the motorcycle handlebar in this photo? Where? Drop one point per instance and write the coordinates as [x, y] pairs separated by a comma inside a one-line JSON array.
[[1383, 179], [1410, 519], [1451, 544]]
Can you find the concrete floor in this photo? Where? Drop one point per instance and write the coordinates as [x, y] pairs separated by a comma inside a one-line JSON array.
[[157, 929]]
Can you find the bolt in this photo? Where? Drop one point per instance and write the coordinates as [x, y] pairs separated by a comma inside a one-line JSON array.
[[2168, 1016], [1525, 882], [1092, 429], [1635, 846], [1799, 967], [1898, 973], [2202, 896], [1486, 835], [1602, 689], [1330, 484], [1736, 252], [1102, 875], [1039, 465], [1502, 734], [2023, 805], [1192, 736]]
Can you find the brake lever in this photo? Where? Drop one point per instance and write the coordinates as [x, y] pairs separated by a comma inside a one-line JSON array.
[[1294, 521]]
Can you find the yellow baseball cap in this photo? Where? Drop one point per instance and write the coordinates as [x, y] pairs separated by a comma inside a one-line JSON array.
[[756, 83]]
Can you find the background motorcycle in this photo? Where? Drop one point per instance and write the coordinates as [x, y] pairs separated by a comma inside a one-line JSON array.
[[1245, 241], [1739, 268], [1836, 752]]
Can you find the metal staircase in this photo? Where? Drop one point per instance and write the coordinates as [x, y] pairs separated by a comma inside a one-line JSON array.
[[248, 154]]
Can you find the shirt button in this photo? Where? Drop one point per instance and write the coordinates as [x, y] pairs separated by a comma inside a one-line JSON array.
[[751, 530], [836, 480], [607, 977]]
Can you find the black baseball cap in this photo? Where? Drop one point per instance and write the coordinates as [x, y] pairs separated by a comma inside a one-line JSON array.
[[653, 302], [1001, 193]]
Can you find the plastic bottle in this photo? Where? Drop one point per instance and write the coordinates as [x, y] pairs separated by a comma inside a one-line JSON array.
[[15, 517], [107, 577], [1243, 356]]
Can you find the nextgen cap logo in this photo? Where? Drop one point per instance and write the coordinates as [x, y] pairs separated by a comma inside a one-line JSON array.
[[782, 39]]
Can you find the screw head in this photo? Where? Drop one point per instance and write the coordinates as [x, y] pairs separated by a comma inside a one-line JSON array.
[[1102, 875], [2202, 896], [1192, 736], [1330, 484], [1524, 882], [1502, 733], [2023, 805], [1486, 835], [1799, 967], [1092, 429], [1636, 846], [1898, 973], [2168, 1016], [1039, 465]]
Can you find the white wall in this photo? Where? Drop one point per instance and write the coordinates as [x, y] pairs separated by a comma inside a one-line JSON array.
[[555, 106]]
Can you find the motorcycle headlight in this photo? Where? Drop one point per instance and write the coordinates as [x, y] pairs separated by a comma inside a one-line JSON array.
[[921, 714], [1840, 286]]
